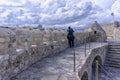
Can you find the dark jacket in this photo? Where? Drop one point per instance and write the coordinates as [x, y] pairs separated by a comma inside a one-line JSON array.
[[70, 34]]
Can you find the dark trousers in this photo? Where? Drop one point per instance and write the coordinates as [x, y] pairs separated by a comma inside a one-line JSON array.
[[71, 42]]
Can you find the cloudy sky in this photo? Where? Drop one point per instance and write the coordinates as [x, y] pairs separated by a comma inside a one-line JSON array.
[[58, 13]]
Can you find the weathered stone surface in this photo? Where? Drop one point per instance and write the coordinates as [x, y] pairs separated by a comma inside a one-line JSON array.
[[112, 30], [64, 35], [7, 41], [47, 36], [2, 40], [27, 52], [100, 34], [23, 38], [56, 36], [60, 66], [116, 24], [37, 37]]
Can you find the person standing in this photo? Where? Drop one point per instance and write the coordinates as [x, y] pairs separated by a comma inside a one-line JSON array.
[[70, 37]]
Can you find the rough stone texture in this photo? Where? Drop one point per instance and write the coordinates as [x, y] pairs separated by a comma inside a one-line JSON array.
[[26, 53], [47, 35], [64, 34], [23, 38], [37, 37], [112, 30], [88, 61], [100, 34], [60, 66], [116, 24], [82, 37], [7, 41]]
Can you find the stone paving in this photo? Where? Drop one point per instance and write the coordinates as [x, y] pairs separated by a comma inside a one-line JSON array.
[[58, 66]]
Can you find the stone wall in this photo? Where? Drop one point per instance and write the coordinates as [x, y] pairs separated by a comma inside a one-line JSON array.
[[20, 48], [112, 30], [88, 62], [99, 33]]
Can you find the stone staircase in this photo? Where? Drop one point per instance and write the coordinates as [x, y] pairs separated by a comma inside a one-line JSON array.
[[113, 55]]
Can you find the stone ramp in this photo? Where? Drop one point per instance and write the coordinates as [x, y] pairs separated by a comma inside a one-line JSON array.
[[58, 66]]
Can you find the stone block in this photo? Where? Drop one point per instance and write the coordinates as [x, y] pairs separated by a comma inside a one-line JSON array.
[[37, 37], [7, 41], [2, 40], [3, 46], [47, 36], [23, 38]]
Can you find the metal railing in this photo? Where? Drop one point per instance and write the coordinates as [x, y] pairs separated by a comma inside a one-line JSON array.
[[85, 43], [74, 60], [97, 72]]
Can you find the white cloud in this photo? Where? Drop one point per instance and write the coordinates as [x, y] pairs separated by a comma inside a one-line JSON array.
[[57, 12], [116, 7], [104, 4], [12, 2], [5, 13], [67, 14]]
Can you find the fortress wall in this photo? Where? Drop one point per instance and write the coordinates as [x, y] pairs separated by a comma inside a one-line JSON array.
[[117, 34], [112, 30], [28, 46]]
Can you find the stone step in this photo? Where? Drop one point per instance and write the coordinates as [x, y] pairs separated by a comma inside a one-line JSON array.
[[114, 48], [114, 45], [113, 65], [117, 48], [113, 60], [113, 52], [111, 48], [113, 57]]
